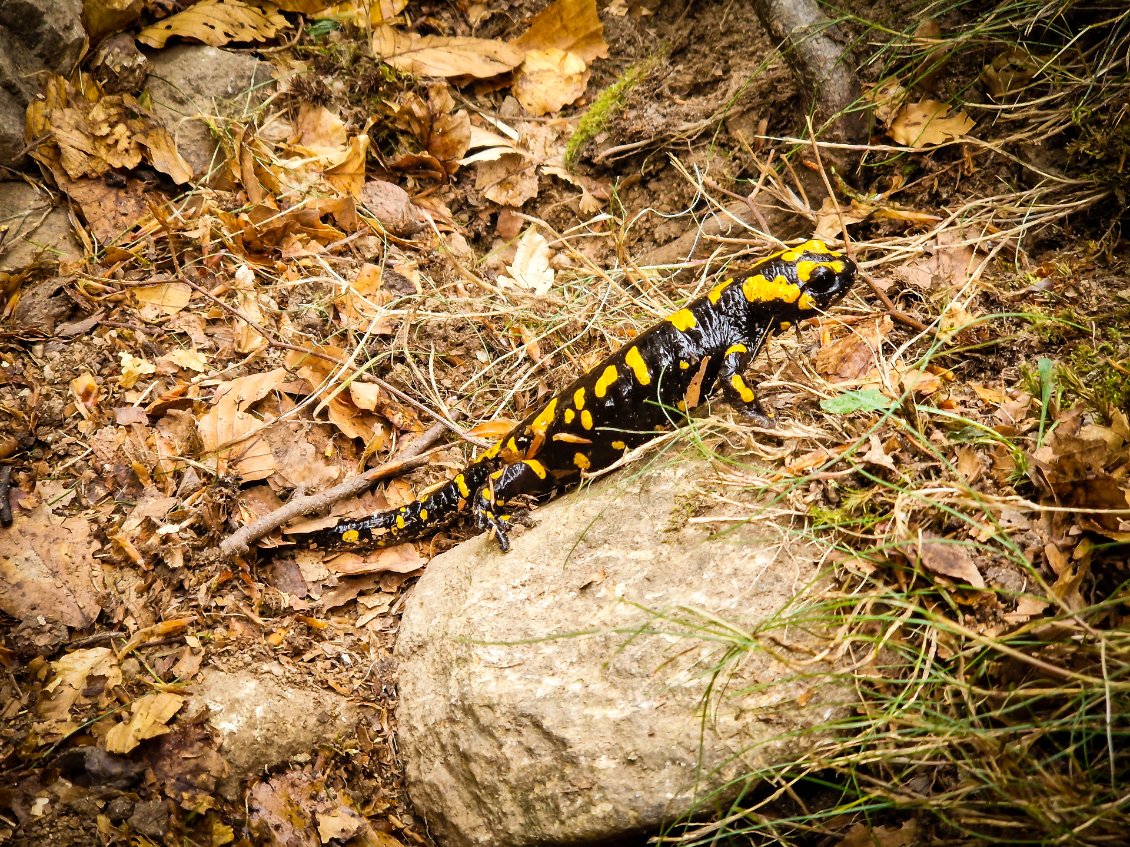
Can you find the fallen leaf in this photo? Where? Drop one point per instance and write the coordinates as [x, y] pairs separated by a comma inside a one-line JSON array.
[[87, 134], [928, 122], [218, 22], [46, 569], [148, 716], [401, 558], [442, 56], [530, 269], [230, 435], [550, 79], [876, 455], [510, 180], [133, 368], [70, 682], [949, 558], [854, 355], [190, 360], [166, 298], [571, 26]]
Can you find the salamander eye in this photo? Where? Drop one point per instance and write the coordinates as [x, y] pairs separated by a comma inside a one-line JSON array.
[[826, 285], [822, 280]]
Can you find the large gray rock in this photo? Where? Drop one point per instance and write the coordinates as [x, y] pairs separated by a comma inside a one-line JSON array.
[[545, 697], [35, 36], [193, 85]]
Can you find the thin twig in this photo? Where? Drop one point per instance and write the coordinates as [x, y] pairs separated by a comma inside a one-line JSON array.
[[412, 456]]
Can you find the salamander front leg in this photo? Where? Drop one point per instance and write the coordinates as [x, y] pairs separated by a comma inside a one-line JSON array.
[[511, 487], [737, 392]]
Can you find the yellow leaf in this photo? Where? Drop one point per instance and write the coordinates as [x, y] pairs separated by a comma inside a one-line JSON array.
[[437, 55], [218, 22], [148, 717], [133, 369], [550, 79], [166, 298], [570, 26], [928, 122], [231, 435]]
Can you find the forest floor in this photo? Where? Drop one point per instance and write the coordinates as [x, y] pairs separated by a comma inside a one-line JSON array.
[[379, 249]]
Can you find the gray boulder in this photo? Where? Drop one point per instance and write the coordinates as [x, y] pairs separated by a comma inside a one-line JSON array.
[[195, 87], [35, 36], [577, 689]]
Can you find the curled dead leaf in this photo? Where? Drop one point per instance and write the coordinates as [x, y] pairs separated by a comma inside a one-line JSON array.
[[928, 122]]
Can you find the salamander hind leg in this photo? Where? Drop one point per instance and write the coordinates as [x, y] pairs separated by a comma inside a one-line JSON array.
[[739, 393], [512, 487]]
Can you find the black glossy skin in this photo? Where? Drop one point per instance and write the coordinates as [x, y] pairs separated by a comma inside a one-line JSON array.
[[647, 386]]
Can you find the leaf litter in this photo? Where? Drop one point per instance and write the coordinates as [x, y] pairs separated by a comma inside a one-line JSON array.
[[236, 334]]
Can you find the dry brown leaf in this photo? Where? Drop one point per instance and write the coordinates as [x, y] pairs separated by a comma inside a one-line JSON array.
[[110, 211], [165, 298], [442, 132], [370, 428], [570, 26], [230, 435], [402, 558], [71, 682], [833, 217], [949, 558], [363, 14], [530, 269], [854, 355], [247, 338], [87, 133], [886, 98], [133, 369], [438, 55], [928, 122], [510, 180], [46, 569], [919, 383], [218, 22], [392, 206], [550, 79], [148, 716]]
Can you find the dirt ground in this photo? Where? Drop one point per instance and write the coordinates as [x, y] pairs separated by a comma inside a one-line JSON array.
[[106, 392]]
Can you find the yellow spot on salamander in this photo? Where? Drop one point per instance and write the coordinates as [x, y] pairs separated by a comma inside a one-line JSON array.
[[400, 521], [586, 419], [461, 484], [493, 451], [635, 361], [351, 536], [683, 366], [806, 303], [537, 467], [569, 415], [581, 461], [579, 398], [544, 419], [736, 348], [511, 445], [716, 292], [790, 255], [758, 289], [785, 324], [423, 514], [618, 445], [744, 391], [606, 379], [681, 405], [683, 320]]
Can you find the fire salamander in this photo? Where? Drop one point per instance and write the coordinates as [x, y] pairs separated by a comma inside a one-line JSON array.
[[647, 386]]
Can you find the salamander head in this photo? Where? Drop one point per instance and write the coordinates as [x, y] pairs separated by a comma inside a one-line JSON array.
[[824, 275]]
